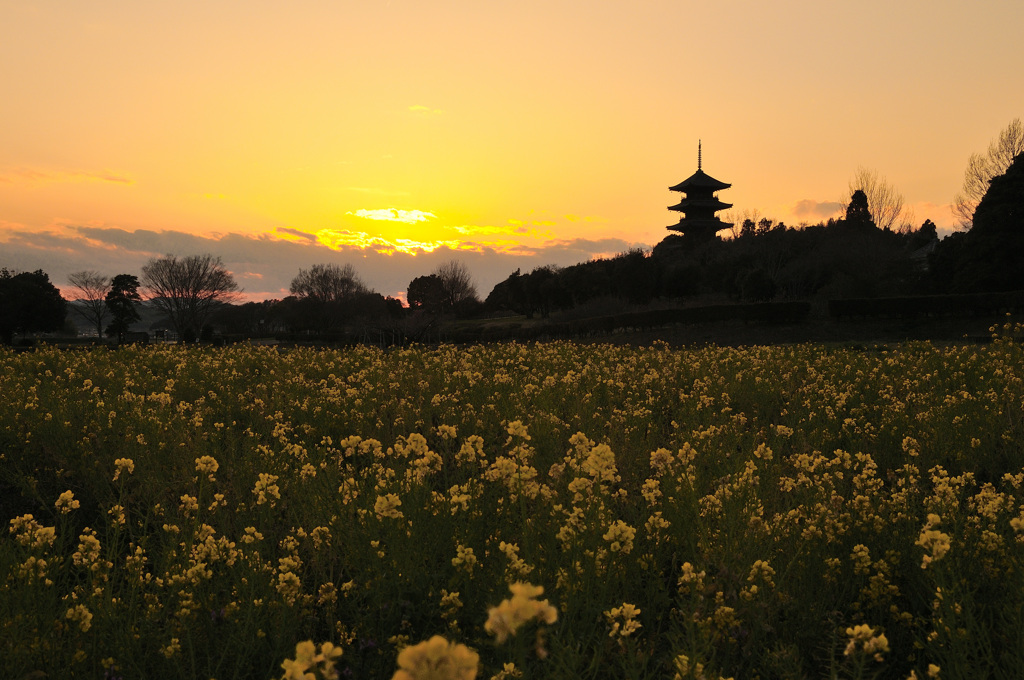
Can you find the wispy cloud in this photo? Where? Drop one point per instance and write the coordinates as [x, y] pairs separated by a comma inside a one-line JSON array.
[[514, 227], [37, 176], [394, 215], [301, 235], [423, 110], [808, 208]]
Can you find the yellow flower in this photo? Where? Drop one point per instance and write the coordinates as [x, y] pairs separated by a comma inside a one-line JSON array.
[[932, 540], [600, 464], [29, 532], [123, 464], [861, 557], [207, 465], [464, 557], [66, 503], [620, 535], [307, 658], [515, 563], [251, 535], [88, 552], [623, 620], [266, 489], [450, 606], [783, 431], [81, 615], [189, 504], [863, 637], [505, 619], [289, 586], [763, 571], [507, 671], [172, 648], [387, 506], [691, 579], [116, 513], [661, 460], [437, 659], [517, 429]]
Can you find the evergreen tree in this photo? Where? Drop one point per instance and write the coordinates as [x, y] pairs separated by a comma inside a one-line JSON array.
[[857, 213], [121, 300]]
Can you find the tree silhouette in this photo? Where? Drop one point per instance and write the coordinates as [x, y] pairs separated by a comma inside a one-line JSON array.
[[981, 168], [121, 301], [187, 289], [325, 294], [91, 288], [885, 203], [29, 303], [858, 214], [427, 293], [993, 251], [457, 283], [327, 283]]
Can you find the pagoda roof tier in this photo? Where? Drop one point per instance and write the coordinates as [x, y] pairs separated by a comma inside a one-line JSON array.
[[700, 180], [690, 203], [692, 225]]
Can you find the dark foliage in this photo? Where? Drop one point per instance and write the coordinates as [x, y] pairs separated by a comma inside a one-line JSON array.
[[989, 257], [121, 301], [29, 303], [325, 297], [427, 293], [767, 261], [858, 214]]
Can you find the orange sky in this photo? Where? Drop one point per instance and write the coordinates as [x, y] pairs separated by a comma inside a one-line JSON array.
[[395, 135]]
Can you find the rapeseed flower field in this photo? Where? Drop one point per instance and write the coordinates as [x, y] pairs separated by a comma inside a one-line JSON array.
[[514, 511]]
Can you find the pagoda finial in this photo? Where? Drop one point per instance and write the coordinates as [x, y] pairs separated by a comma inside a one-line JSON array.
[[698, 154]]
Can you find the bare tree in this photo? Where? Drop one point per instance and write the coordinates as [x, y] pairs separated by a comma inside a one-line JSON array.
[[187, 289], [457, 282], [91, 290], [327, 295], [885, 203], [327, 283], [982, 168], [730, 218]]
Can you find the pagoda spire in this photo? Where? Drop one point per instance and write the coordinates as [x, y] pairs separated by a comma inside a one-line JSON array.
[[698, 154]]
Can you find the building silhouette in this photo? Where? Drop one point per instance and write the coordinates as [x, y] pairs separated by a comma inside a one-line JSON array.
[[699, 205]]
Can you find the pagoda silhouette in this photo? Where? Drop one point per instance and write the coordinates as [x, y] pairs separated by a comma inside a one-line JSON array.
[[699, 205]]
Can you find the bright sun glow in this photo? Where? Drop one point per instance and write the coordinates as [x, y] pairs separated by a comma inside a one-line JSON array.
[[394, 215], [340, 239]]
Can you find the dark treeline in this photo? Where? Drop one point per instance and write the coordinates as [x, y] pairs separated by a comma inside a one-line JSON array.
[[849, 258], [767, 261]]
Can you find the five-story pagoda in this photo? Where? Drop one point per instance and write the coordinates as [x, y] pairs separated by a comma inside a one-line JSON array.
[[699, 205]]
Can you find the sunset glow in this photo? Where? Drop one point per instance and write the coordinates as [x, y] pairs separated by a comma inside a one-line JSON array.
[[393, 215], [398, 135]]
